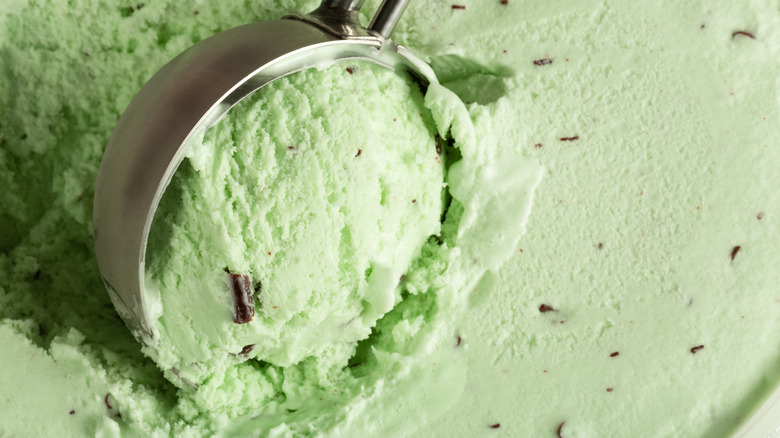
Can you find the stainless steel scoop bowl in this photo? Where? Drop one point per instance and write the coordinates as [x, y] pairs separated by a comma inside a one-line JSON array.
[[189, 95]]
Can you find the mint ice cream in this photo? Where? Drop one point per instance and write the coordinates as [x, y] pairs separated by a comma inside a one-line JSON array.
[[593, 252], [318, 192]]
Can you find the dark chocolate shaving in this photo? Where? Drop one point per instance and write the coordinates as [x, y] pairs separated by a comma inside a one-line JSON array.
[[734, 251], [743, 33], [359, 153], [609, 389], [615, 354], [184, 380], [108, 404], [560, 428], [544, 308], [495, 426], [247, 349], [538, 145], [760, 215], [696, 348], [243, 301], [129, 10], [72, 411], [543, 61], [457, 344], [575, 138], [350, 70], [458, 7], [504, 2]]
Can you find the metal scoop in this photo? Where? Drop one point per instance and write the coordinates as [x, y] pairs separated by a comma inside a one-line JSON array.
[[189, 95]]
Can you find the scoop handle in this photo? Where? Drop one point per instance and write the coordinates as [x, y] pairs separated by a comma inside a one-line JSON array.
[[384, 21], [387, 17]]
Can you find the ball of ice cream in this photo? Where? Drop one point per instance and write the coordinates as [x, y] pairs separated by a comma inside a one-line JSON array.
[[286, 232]]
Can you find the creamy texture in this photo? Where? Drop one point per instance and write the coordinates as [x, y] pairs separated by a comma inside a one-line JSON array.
[[320, 190], [643, 135]]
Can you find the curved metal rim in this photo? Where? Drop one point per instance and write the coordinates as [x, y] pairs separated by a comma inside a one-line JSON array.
[[137, 313]]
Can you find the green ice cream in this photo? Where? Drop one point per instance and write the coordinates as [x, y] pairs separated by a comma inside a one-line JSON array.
[[592, 254], [319, 191]]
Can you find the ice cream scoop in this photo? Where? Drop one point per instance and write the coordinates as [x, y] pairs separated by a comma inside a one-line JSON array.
[[189, 95]]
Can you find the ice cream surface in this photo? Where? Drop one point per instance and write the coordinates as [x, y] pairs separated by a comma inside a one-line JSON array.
[[593, 253], [319, 192]]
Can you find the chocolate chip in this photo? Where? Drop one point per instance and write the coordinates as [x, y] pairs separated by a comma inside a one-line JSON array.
[[494, 426], [247, 349], [696, 348], [72, 411], [359, 153], [350, 70], [609, 389], [544, 308], [575, 138], [734, 251], [129, 10], [760, 215], [243, 301], [457, 344], [743, 33], [458, 7], [543, 61], [615, 354], [560, 428]]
